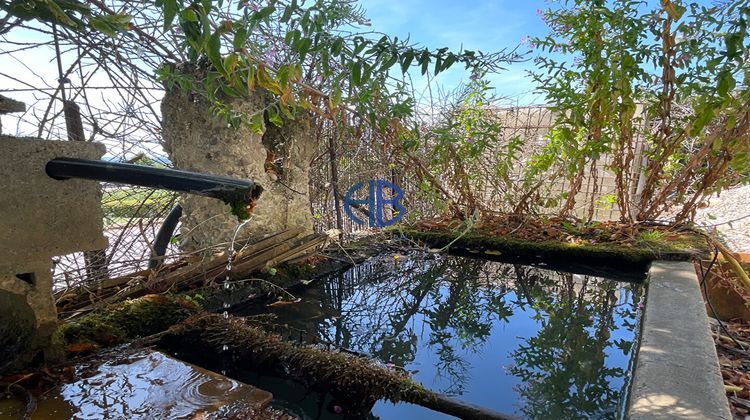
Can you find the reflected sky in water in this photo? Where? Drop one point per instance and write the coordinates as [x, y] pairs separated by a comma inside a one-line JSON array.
[[518, 339]]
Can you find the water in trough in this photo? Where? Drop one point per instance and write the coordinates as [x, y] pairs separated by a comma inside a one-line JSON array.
[[518, 339]]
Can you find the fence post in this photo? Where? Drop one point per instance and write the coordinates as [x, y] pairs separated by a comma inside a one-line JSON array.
[[335, 182], [96, 261]]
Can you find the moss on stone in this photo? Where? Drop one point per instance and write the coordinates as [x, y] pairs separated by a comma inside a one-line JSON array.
[[130, 319], [354, 382], [640, 254]]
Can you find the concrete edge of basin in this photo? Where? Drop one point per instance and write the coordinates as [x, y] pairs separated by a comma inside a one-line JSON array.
[[677, 371]]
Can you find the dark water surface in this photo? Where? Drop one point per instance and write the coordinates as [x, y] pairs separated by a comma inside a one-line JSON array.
[[518, 339]]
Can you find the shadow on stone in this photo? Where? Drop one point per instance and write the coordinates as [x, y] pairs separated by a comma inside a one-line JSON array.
[[17, 324]]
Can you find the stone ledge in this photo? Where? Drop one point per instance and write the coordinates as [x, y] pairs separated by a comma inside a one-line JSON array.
[[677, 371]]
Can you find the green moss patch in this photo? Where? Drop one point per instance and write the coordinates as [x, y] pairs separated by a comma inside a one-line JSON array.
[[613, 254], [130, 319]]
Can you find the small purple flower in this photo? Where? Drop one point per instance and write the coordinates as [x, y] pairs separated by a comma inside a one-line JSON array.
[[338, 409], [474, 77], [390, 365], [470, 139], [251, 4], [271, 56]]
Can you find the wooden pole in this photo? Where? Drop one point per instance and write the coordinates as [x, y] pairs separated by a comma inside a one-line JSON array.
[[96, 261], [335, 182]]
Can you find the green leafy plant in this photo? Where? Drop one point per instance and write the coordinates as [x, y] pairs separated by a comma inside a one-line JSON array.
[[683, 63]]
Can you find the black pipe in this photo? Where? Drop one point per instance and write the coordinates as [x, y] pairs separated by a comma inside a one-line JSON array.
[[236, 192], [164, 236]]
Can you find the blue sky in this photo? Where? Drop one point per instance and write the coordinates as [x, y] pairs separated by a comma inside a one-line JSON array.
[[486, 25]]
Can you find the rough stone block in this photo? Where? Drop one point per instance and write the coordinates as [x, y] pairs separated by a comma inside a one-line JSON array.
[[197, 140], [41, 217], [27, 313]]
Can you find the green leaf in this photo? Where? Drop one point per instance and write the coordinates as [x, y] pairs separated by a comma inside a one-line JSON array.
[[335, 97], [734, 45], [230, 63], [102, 27], [263, 13], [424, 61], [240, 37], [449, 61], [189, 15], [389, 63], [58, 13], [170, 11], [303, 46], [359, 45], [213, 51], [292, 37], [287, 13], [337, 46], [725, 84], [406, 59], [274, 117], [256, 123], [367, 73], [356, 73]]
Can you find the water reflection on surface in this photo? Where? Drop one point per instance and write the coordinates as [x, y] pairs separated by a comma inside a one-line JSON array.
[[146, 385], [515, 338]]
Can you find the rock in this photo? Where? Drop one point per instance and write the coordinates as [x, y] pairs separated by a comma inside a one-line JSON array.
[[17, 328]]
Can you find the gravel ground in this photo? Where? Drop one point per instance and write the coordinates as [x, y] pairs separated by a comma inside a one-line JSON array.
[[729, 214]]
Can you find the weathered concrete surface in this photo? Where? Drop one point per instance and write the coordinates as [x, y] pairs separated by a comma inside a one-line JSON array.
[[199, 141], [33, 290], [41, 217], [677, 371]]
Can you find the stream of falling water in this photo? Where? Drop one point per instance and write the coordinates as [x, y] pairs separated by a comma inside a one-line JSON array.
[[227, 285]]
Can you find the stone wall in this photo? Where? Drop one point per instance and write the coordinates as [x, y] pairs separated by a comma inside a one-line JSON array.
[[196, 140]]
